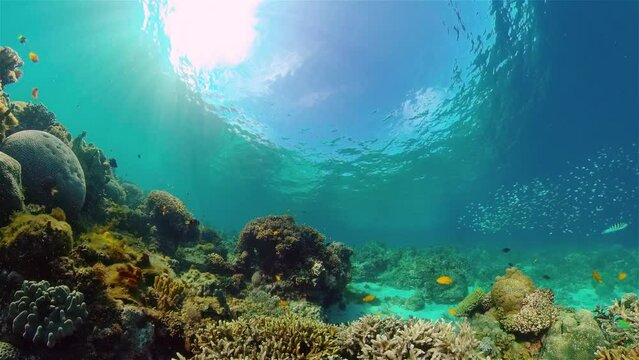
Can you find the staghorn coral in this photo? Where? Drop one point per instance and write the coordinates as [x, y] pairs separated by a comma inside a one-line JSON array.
[[276, 245], [11, 196], [168, 293], [174, 222], [262, 337], [574, 336], [627, 310], [30, 242], [509, 291], [537, 314], [618, 353], [45, 314], [470, 303], [8, 351], [51, 173]]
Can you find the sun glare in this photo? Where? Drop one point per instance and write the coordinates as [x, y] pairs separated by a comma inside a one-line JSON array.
[[210, 33]]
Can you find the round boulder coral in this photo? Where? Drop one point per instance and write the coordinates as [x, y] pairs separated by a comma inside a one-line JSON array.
[[51, 173], [174, 222], [510, 290], [10, 187], [30, 242], [574, 336]]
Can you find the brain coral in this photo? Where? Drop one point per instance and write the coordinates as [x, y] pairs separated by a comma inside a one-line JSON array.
[[10, 187], [36, 238], [45, 314], [510, 290], [51, 173]]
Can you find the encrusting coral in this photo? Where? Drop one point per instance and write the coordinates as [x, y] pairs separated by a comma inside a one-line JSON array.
[[38, 117], [30, 242], [174, 222], [45, 314], [294, 259], [509, 291], [11, 196], [51, 173]]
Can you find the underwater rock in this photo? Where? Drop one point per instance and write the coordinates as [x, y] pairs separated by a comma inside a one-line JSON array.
[[134, 194], [8, 351], [37, 117], [174, 222], [574, 336], [11, 196], [30, 242], [139, 331], [45, 314], [51, 173], [294, 259], [494, 339]]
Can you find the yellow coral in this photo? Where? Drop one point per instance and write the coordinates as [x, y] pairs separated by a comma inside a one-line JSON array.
[[169, 293], [510, 290]]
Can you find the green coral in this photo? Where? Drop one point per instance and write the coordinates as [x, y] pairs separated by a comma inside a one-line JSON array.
[[471, 302], [574, 336], [45, 314], [31, 241]]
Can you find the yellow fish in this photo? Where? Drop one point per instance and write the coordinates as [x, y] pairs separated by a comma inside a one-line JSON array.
[[622, 276], [278, 277], [368, 298], [34, 57], [275, 232], [444, 280], [597, 277], [452, 311], [283, 303], [378, 315]]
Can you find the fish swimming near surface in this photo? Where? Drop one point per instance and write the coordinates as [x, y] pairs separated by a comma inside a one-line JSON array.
[[22, 39], [614, 228], [597, 277], [34, 93], [622, 276], [505, 250], [444, 280], [34, 57], [368, 298]]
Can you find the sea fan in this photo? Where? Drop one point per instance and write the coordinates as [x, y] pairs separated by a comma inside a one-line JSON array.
[[615, 228]]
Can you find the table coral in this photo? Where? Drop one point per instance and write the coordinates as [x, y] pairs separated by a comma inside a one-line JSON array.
[[51, 173], [45, 314]]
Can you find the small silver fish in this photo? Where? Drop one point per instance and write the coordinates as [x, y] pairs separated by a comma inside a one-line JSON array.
[[615, 228]]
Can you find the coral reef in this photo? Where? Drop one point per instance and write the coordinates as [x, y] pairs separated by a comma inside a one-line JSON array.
[[509, 291], [38, 117], [51, 173], [174, 222], [11, 196], [8, 351], [10, 61], [168, 293], [621, 311], [45, 314], [30, 242], [574, 336], [618, 353], [96, 168], [470, 303], [294, 259], [537, 314]]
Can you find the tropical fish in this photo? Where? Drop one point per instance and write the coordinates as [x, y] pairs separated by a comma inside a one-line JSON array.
[[113, 163], [283, 303], [614, 228], [623, 324], [34, 93], [34, 57], [444, 280], [378, 315], [622, 276], [278, 277], [597, 277], [546, 277], [276, 232], [22, 39], [192, 222], [505, 250], [368, 298], [452, 311]]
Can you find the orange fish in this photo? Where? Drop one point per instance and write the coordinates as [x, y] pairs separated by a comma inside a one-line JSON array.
[[34, 57], [444, 280], [34, 93], [275, 232], [283, 303], [368, 298], [452, 311], [622, 276], [597, 277]]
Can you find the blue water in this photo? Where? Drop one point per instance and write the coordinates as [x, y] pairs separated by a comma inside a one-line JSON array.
[[414, 123]]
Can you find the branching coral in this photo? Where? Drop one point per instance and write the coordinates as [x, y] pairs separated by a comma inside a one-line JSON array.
[[537, 314], [262, 337], [10, 61], [8, 351], [620, 321], [168, 293], [618, 353], [45, 314], [279, 248]]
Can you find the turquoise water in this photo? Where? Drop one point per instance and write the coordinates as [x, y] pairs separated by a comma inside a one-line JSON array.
[[473, 125]]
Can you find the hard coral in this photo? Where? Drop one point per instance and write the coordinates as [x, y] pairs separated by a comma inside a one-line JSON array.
[[537, 314], [624, 310], [509, 291], [11, 196], [45, 314], [168, 292], [10, 61], [38, 117], [470, 303], [51, 173], [96, 167], [174, 222], [8, 351], [618, 353], [30, 242], [574, 336], [306, 267]]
